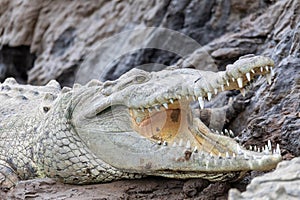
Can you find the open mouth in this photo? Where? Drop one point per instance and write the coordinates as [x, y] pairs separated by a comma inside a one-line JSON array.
[[172, 123]]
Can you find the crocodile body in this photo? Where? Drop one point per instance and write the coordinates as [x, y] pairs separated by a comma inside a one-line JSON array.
[[138, 125]]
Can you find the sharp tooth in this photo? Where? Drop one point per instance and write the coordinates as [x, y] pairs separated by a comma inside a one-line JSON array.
[[227, 83], [159, 142], [227, 155], [180, 142], [248, 76], [187, 97], [165, 105], [226, 131], [222, 87], [209, 96], [243, 92], [165, 143], [240, 82], [269, 145], [179, 97], [267, 68], [258, 149], [201, 102], [188, 144], [252, 70], [269, 78], [174, 144], [142, 109], [266, 151], [278, 151], [219, 155], [233, 79], [149, 109], [233, 155], [272, 71], [194, 98], [261, 69], [195, 150], [255, 148], [171, 100], [211, 155], [231, 133], [216, 91]]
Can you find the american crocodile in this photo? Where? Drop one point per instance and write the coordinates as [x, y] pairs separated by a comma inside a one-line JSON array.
[[138, 125]]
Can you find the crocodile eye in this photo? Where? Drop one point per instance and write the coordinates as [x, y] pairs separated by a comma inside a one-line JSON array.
[[140, 79]]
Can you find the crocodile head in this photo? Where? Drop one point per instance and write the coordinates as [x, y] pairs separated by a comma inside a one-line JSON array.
[[143, 123]]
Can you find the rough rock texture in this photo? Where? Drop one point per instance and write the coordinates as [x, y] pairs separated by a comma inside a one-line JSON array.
[[283, 183], [64, 36]]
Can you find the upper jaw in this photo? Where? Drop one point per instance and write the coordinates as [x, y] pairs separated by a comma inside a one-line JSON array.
[[200, 85]]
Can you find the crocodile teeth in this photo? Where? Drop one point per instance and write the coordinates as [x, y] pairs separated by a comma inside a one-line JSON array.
[[238, 149], [216, 91], [188, 145], [171, 100], [195, 150], [231, 133], [269, 78], [187, 97], [278, 151], [209, 96], [165, 143], [269, 145], [252, 71], [201, 102], [194, 98], [243, 92], [266, 150], [233, 79], [149, 109], [267, 68], [248, 76], [180, 142], [227, 83], [261, 69], [222, 88], [240, 82], [219, 155], [165, 105], [227, 155], [179, 97], [272, 71], [142, 109]]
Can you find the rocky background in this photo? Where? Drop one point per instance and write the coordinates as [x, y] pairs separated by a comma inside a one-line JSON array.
[[42, 40]]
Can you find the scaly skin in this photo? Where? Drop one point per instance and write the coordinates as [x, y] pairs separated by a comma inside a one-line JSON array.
[[138, 125]]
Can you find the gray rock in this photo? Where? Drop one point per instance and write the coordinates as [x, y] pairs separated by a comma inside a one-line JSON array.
[[283, 183]]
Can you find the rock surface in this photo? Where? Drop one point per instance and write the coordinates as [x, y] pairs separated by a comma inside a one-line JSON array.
[[58, 39], [283, 183]]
